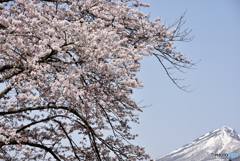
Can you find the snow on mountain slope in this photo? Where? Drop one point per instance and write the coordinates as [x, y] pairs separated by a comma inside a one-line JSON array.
[[221, 141]]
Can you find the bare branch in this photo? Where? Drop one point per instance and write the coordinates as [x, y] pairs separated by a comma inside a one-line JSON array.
[[5, 91], [33, 145]]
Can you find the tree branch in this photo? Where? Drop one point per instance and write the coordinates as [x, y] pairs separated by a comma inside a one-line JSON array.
[[1, 1], [11, 75], [70, 140], [33, 145], [36, 122], [5, 91]]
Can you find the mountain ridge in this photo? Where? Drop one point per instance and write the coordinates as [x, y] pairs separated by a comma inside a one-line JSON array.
[[224, 140]]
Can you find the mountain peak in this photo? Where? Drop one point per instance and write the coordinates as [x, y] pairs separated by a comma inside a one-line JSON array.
[[226, 128], [226, 131], [223, 140]]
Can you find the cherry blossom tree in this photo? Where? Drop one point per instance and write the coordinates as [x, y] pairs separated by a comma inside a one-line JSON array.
[[69, 68]]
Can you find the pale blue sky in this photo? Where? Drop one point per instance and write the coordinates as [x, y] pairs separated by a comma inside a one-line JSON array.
[[176, 117]]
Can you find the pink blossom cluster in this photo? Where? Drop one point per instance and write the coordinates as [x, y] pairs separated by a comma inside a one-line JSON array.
[[70, 68], [7, 135]]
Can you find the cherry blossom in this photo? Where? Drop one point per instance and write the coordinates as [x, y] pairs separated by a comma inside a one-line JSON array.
[[70, 68]]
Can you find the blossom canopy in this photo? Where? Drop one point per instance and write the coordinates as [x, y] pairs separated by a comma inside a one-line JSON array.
[[70, 68]]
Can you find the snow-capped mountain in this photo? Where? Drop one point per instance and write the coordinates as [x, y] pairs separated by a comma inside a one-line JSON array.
[[222, 141]]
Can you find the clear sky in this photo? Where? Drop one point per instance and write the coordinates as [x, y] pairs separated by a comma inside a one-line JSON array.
[[175, 117]]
